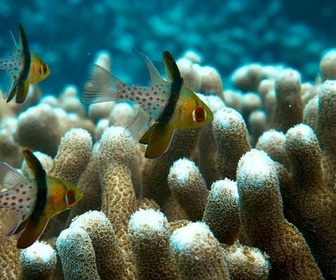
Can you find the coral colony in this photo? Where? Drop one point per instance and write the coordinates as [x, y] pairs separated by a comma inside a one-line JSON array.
[[250, 195]]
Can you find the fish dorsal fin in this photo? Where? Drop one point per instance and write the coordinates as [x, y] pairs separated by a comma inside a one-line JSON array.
[[9, 176], [154, 74], [139, 124], [32, 231], [158, 138], [26, 54], [172, 71], [102, 86], [9, 222]]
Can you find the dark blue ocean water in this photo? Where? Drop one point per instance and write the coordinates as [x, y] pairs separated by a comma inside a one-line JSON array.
[[227, 34]]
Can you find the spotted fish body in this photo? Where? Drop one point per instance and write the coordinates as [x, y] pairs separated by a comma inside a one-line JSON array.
[[28, 204], [168, 103], [24, 68], [20, 198]]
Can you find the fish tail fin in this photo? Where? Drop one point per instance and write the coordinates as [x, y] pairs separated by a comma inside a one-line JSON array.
[[102, 86]]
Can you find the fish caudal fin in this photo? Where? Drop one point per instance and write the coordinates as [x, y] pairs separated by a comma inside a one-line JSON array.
[[158, 138], [102, 86], [32, 231], [9, 222]]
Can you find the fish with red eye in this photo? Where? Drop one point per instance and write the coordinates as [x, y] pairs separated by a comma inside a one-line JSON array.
[[24, 68], [33, 201], [164, 106]]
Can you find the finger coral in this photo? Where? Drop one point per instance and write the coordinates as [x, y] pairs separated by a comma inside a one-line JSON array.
[[214, 206], [263, 221], [149, 234], [116, 154], [109, 257], [188, 187], [221, 212], [313, 205], [38, 261], [198, 253]]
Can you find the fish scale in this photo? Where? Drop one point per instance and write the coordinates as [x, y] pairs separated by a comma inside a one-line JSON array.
[[152, 99], [21, 198]]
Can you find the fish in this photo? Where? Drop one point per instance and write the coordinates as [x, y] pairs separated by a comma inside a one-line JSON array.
[[164, 105], [26, 205], [24, 68]]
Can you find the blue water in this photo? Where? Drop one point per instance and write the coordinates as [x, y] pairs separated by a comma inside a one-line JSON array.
[[227, 34]]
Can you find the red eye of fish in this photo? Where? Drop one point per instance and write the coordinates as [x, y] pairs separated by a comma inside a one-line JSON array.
[[44, 69], [199, 114], [70, 197]]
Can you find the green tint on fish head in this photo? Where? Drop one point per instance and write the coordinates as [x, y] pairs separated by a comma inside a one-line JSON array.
[[191, 111], [61, 196]]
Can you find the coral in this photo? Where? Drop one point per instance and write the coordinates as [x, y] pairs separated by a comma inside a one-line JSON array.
[[35, 120], [73, 154], [77, 254], [228, 124], [248, 77], [221, 212], [263, 221], [148, 206], [289, 106], [205, 79], [109, 256], [38, 261], [149, 234], [90, 185], [188, 187], [116, 154], [313, 205], [246, 263], [327, 65], [9, 259], [326, 130], [198, 253], [155, 171]]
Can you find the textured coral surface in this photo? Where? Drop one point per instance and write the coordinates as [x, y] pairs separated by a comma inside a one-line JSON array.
[[251, 196]]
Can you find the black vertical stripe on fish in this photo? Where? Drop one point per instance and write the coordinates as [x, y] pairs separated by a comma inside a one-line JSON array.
[[26, 54], [41, 182], [177, 81]]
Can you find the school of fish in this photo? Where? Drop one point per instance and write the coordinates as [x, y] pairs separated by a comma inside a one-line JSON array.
[[27, 204]]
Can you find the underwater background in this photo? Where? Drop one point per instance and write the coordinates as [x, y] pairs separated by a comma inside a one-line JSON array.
[[227, 34]]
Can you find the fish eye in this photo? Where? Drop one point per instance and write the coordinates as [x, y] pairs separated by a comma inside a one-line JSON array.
[[199, 115], [43, 69], [70, 197]]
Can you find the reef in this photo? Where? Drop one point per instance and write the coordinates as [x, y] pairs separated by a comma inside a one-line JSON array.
[[250, 196]]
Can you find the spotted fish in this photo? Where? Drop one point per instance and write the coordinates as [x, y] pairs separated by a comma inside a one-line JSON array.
[[24, 68], [167, 103], [28, 204]]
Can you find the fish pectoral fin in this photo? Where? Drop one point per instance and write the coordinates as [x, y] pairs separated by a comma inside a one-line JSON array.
[[139, 124], [9, 222], [32, 231], [158, 138]]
